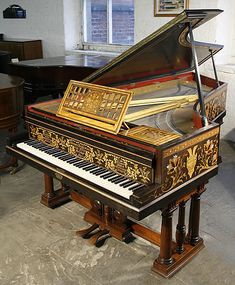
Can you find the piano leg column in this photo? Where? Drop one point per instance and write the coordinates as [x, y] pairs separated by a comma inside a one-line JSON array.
[[181, 229], [53, 198], [194, 218], [174, 255], [164, 260]]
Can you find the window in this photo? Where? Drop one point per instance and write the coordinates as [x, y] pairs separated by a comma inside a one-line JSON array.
[[108, 22]]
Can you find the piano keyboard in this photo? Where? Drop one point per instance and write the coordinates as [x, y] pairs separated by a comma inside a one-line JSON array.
[[107, 179]]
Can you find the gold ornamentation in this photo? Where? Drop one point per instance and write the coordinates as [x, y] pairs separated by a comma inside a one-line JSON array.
[[126, 167], [189, 143], [207, 155], [175, 172], [191, 160], [215, 102], [97, 106], [151, 135], [215, 105], [189, 163]]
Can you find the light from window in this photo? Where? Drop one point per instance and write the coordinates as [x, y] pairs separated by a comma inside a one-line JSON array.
[[109, 21]]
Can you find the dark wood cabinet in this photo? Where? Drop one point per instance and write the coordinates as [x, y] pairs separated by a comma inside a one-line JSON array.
[[22, 49]]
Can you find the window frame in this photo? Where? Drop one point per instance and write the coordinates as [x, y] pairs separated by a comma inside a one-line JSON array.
[[109, 46]]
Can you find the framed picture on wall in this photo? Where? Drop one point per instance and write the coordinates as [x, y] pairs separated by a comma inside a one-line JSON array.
[[169, 8]]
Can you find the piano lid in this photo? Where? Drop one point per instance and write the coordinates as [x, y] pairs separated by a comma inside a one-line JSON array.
[[165, 52]]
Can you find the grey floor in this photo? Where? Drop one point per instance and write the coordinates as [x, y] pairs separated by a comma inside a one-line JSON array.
[[39, 246]]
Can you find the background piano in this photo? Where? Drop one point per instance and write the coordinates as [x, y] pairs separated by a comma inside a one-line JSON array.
[[5, 59], [50, 76], [11, 107], [147, 165]]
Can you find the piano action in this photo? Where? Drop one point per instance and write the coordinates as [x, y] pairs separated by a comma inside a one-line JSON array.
[[139, 135]]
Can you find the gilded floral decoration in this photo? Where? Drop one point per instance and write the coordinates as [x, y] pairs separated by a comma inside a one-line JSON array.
[[189, 163], [111, 161], [215, 106]]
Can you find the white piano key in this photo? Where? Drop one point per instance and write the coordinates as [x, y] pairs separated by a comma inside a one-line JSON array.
[[79, 171]]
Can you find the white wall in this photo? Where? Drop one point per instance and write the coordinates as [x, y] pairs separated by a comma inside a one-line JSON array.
[[72, 23], [145, 23], [44, 20]]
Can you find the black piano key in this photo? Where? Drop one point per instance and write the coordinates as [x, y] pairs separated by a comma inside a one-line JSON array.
[[59, 154], [52, 150], [62, 153], [119, 180], [129, 184], [90, 167], [33, 142], [136, 187], [99, 171], [126, 183], [83, 167], [77, 164], [114, 177], [44, 147], [108, 175], [77, 161], [45, 150], [81, 163], [94, 169], [72, 160], [40, 145], [66, 157]]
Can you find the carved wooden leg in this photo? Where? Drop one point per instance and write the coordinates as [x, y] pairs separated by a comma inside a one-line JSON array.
[[194, 218], [164, 261], [49, 186], [165, 255], [174, 256], [180, 229], [51, 197]]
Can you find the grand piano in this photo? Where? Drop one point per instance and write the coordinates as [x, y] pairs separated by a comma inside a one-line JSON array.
[[139, 135], [50, 76]]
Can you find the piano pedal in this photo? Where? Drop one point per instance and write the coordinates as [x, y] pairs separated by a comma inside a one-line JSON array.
[[87, 233], [99, 238], [128, 238]]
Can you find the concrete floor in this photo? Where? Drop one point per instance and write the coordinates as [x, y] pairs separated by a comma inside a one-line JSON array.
[[39, 246]]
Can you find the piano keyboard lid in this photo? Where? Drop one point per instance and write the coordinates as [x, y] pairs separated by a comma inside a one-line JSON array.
[[165, 52]]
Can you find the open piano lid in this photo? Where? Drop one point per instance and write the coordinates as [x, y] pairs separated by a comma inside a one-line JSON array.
[[165, 52]]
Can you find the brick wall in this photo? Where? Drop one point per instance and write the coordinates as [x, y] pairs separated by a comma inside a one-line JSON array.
[[122, 22]]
